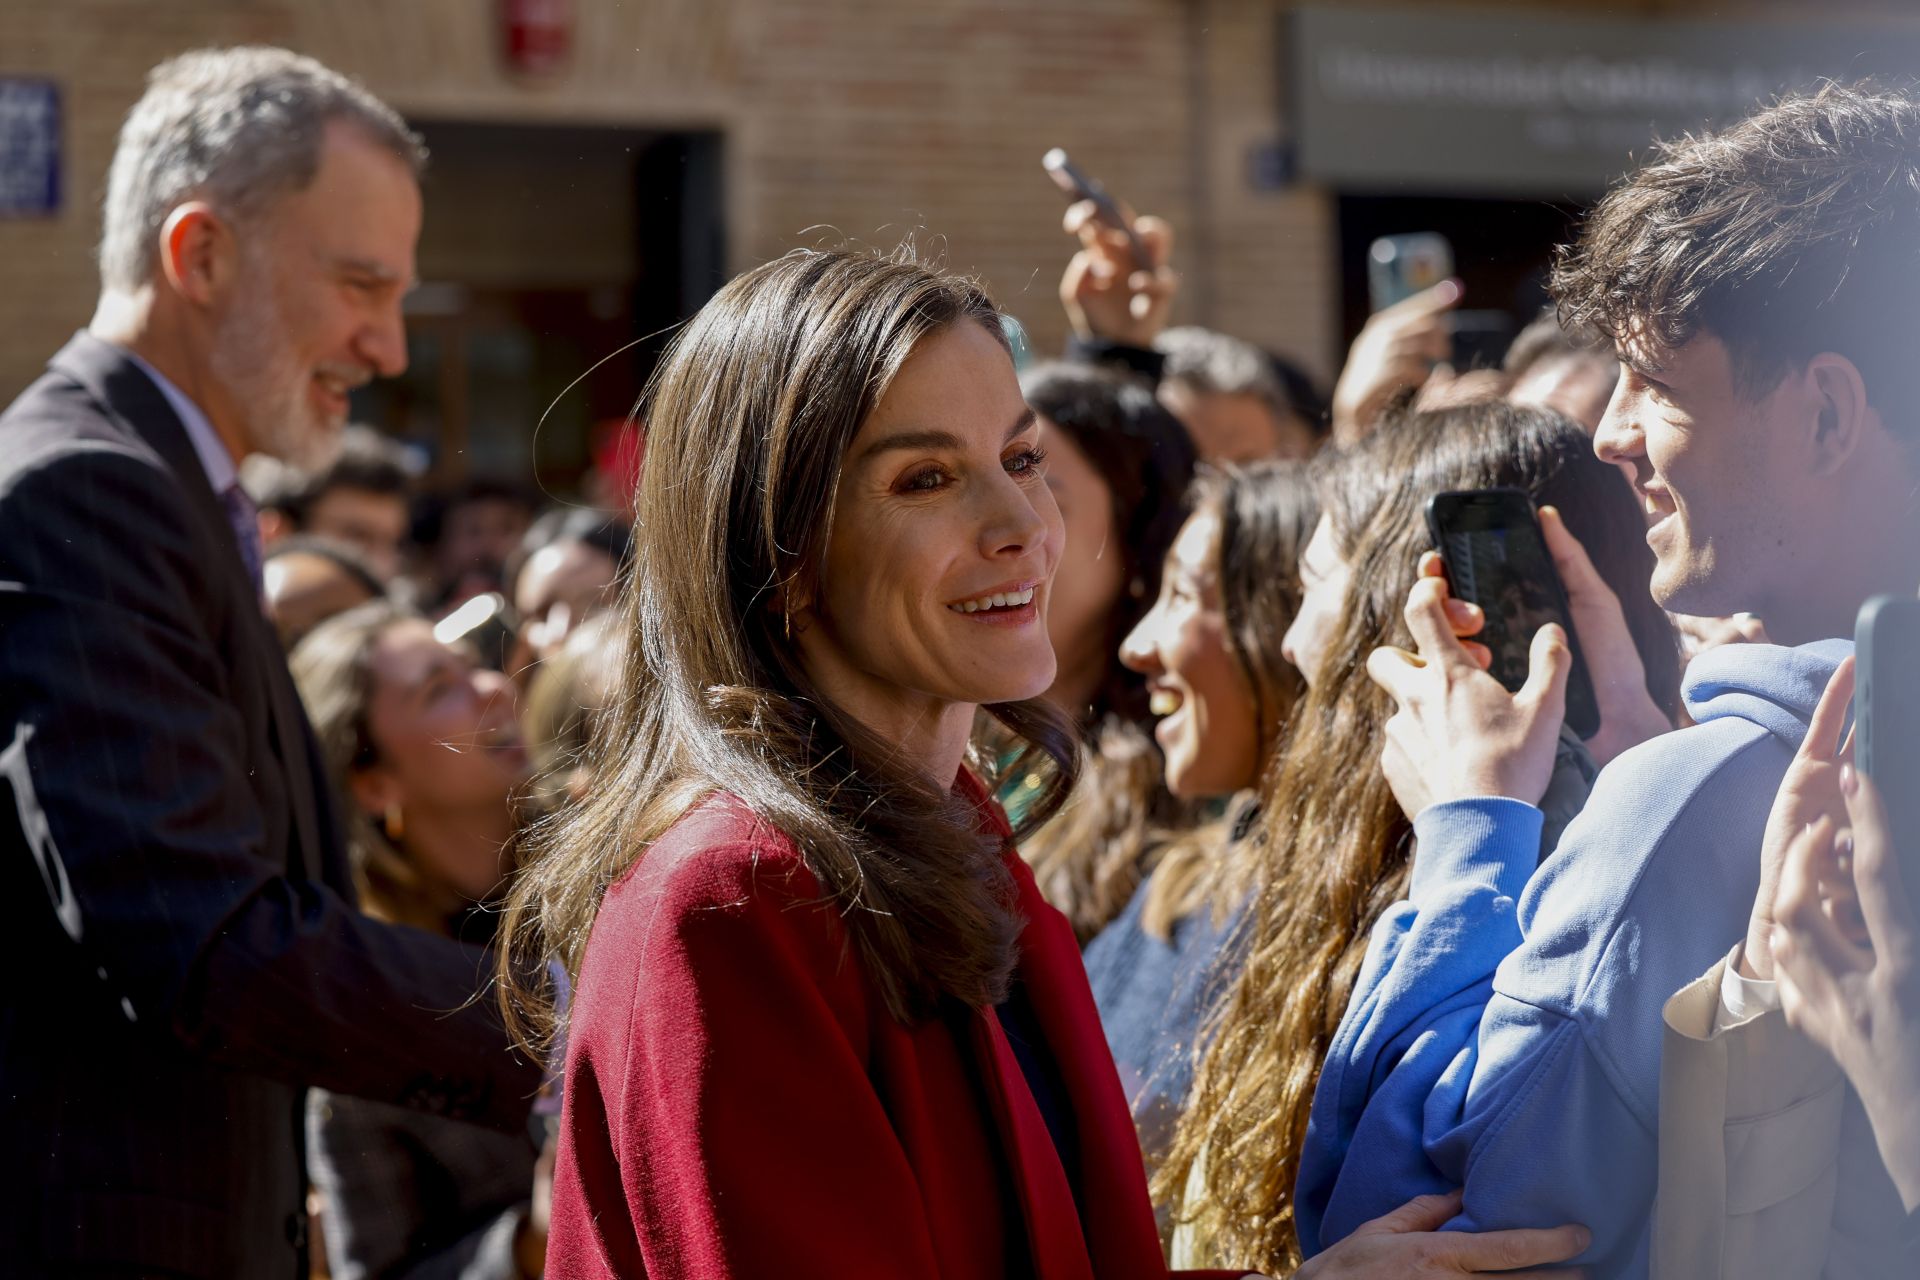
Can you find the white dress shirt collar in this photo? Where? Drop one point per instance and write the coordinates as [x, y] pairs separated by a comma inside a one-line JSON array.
[[222, 473]]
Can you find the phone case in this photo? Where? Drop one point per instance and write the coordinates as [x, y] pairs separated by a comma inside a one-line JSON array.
[[1583, 708], [1886, 705]]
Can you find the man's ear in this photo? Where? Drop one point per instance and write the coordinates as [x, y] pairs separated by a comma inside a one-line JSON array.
[[197, 248], [1841, 415]]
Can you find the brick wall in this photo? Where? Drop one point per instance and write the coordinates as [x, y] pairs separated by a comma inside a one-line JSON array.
[[874, 118]]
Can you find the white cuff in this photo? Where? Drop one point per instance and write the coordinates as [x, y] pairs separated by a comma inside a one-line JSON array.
[[1742, 999]]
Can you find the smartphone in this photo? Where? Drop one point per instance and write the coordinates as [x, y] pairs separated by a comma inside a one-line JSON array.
[[1886, 717], [1077, 186], [1497, 558], [1400, 266]]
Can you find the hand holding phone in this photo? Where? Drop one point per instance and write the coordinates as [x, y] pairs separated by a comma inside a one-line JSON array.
[[1078, 186], [1497, 559], [1845, 931], [1397, 348], [1118, 287], [1400, 266], [1458, 733]]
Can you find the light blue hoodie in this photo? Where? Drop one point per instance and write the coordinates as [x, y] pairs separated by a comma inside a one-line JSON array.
[[1504, 1035]]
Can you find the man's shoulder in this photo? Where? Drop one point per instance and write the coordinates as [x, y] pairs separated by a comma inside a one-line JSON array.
[[1652, 881], [1637, 799], [57, 423], [1672, 812]]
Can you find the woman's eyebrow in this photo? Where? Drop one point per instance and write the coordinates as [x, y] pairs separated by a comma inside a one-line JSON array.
[[937, 439]]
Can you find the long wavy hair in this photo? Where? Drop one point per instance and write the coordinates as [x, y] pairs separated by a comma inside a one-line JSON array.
[[1267, 511], [1334, 847], [749, 419]]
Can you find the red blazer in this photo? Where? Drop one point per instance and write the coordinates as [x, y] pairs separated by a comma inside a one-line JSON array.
[[739, 1103]]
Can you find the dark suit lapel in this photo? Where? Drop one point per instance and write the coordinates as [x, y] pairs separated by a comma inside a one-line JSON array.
[[132, 397], [124, 388]]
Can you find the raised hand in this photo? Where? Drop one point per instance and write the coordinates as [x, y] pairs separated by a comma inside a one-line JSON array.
[[1809, 793], [1846, 952], [1106, 293], [1397, 348], [1457, 732]]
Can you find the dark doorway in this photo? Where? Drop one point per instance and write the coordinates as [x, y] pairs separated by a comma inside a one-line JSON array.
[[1501, 251], [547, 249]]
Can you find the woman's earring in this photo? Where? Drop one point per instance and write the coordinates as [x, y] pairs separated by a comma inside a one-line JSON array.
[[393, 823], [786, 622]]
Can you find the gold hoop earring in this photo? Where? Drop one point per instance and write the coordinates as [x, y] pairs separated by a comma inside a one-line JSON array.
[[393, 823]]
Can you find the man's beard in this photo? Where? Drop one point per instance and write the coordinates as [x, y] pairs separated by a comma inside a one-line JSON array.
[[271, 390]]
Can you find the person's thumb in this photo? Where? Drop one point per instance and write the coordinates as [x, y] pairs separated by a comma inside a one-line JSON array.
[[1549, 663], [1422, 1213]]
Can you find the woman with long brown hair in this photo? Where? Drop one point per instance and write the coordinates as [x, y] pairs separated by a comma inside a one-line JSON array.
[[1222, 690], [1335, 845], [424, 749], [822, 1022]]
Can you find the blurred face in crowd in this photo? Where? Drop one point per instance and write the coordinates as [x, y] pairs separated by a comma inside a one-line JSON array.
[[1721, 477], [1578, 386], [303, 590], [1093, 568], [447, 742], [477, 536], [374, 524], [1324, 577], [933, 593], [1235, 426], [313, 307], [559, 588], [1208, 726]]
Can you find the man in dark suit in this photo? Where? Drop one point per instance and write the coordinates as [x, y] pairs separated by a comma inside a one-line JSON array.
[[185, 957]]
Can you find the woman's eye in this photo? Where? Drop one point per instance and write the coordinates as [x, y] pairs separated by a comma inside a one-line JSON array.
[[1026, 460], [923, 481]]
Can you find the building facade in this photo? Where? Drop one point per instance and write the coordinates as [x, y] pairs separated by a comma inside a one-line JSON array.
[[601, 165]]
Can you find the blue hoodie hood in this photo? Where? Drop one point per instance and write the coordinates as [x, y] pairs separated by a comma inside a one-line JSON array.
[[1772, 686]]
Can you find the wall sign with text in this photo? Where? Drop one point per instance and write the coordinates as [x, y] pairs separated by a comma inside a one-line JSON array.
[[1457, 101], [29, 148]]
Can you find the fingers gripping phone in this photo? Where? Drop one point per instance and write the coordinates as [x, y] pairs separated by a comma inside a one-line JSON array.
[[1106, 210], [1497, 558], [1886, 711]]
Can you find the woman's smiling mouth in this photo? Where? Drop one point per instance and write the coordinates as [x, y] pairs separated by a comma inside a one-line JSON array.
[[1012, 605], [1003, 600]]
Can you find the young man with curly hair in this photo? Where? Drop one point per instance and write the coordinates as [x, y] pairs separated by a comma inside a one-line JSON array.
[[1762, 285]]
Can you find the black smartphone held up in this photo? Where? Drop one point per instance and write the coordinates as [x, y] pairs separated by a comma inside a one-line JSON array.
[[1078, 186], [1497, 558], [1886, 718]]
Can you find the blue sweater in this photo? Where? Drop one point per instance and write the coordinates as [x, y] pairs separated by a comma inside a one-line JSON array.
[[1153, 997], [1504, 1034]]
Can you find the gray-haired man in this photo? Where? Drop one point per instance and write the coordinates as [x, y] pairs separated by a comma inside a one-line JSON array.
[[186, 955]]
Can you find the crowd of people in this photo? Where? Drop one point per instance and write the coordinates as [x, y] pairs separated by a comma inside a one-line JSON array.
[[953, 819]]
